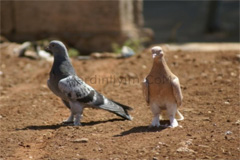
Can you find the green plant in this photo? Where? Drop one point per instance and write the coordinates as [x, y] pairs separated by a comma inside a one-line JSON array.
[[116, 48], [72, 52], [135, 44]]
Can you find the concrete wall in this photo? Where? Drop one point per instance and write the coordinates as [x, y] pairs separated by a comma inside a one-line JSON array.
[[88, 25]]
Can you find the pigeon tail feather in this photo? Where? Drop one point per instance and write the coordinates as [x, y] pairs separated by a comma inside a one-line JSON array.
[[123, 106], [164, 116], [117, 108], [179, 116]]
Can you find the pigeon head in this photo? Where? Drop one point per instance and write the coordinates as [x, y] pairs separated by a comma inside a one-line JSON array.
[[57, 48], [157, 52]]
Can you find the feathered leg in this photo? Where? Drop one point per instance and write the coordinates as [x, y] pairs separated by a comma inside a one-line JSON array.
[[71, 117], [76, 110], [171, 110], [156, 111]]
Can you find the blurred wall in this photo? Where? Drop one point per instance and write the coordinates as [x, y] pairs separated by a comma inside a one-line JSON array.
[[186, 21], [87, 25]]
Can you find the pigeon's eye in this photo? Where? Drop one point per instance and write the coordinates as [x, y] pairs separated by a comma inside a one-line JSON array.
[[53, 45]]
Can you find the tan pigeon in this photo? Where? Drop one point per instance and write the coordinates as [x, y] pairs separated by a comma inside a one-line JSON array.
[[162, 91]]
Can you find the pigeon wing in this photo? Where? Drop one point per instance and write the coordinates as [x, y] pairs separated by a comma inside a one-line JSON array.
[[76, 89], [145, 86], [177, 91]]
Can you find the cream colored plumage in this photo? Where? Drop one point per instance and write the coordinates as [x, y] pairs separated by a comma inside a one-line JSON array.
[[162, 91]]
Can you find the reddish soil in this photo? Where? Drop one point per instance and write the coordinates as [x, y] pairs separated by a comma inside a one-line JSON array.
[[31, 115]]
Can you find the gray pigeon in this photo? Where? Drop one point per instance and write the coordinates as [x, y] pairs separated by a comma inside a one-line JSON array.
[[73, 91]]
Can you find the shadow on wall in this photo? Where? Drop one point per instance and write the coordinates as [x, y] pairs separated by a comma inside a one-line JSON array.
[[209, 21]]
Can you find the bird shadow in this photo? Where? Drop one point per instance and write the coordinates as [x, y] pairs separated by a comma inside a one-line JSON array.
[[59, 125], [43, 127], [142, 129], [91, 123]]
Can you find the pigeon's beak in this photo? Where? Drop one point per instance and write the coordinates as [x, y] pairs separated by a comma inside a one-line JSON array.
[[154, 55], [47, 49]]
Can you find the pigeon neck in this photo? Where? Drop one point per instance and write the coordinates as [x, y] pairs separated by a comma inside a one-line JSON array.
[[61, 55], [62, 65], [161, 66], [58, 59]]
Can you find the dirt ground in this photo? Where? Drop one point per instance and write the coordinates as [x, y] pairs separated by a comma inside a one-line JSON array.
[[31, 115]]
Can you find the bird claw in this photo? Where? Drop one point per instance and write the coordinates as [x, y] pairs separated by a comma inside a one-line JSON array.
[[67, 122], [155, 121], [157, 126], [77, 124], [154, 125], [173, 124], [151, 126]]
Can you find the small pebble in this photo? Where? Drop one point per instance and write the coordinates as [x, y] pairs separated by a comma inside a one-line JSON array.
[[229, 80], [81, 140], [238, 57], [219, 78], [233, 74], [161, 143], [127, 51], [204, 146], [238, 122], [228, 133], [3, 66], [227, 103], [185, 149], [131, 75], [175, 56], [144, 67], [204, 74]]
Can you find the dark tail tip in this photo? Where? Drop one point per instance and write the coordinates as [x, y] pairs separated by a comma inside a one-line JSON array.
[[126, 108]]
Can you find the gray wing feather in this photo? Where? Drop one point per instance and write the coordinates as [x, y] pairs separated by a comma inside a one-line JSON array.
[[77, 90], [74, 88]]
